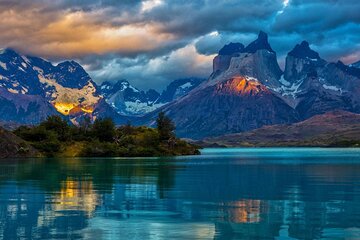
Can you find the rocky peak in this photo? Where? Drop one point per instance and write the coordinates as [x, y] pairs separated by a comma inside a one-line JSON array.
[[107, 87], [303, 50], [235, 54], [301, 61], [259, 44], [232, 48], [71, 74], [8, 52], [222, 61], [11, 60]]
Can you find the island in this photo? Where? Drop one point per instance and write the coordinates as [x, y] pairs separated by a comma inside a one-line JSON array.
[[56, 137]]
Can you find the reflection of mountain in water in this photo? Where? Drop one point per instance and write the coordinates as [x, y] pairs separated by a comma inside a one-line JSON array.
[[227, 198]]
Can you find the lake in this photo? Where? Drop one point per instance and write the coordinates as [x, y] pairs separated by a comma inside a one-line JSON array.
[[239, 193]]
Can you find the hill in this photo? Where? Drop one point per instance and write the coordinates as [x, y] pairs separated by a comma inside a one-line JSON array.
[[336, 128]]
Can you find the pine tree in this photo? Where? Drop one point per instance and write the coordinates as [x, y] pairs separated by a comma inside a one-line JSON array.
[[165, 127]]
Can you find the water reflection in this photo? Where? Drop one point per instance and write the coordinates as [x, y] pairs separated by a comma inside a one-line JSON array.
[[225, 195], [77, 195]]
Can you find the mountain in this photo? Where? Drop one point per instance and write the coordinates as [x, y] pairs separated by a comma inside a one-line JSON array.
[[327, 129], [179, 88], [248, 90], [32, 88], [313, 86], [13, 146], [300, 61], [237, 96], [128, 100], [232, 105]]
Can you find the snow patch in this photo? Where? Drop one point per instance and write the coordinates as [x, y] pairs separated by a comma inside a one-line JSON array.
[[13, 90], [248, 78], [141, 107], [24, 90], [312, 59], [3, 65], [39, 70], [186, 85], [105, 87], [134, 89], [291, 90], [333, 88], [284, 82], [26, 59]]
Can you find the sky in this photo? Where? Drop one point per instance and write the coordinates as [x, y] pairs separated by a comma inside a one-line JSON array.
[[152, 42]]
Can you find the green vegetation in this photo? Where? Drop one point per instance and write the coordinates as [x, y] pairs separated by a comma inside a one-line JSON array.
[[55, 137]]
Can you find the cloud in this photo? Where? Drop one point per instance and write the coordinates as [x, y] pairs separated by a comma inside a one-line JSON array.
[[157, 72]]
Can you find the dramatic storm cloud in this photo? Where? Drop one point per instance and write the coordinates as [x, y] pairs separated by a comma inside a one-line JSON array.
[[155, 41]]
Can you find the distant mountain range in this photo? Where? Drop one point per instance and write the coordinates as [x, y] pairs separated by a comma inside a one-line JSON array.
[[128, 100], [32, 88], [246, 90]]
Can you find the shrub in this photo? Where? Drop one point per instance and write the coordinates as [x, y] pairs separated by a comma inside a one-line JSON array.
[[104, 130]]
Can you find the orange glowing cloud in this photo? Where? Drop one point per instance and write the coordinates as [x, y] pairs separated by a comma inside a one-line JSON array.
[[76, 34]]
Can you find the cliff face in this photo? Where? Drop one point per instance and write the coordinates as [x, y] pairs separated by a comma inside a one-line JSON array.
[[257, 60], [12, 146]]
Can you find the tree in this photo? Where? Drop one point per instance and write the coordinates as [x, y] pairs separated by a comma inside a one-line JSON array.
[[165, 127], [104, 129], [57, 124]]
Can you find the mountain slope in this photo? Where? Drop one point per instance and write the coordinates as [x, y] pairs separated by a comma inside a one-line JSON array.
[[13, 146], [233, 105], [320, 130], [24, 109]]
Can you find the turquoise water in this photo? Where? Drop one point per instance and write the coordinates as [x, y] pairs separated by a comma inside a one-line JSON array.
[[265, 193]]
